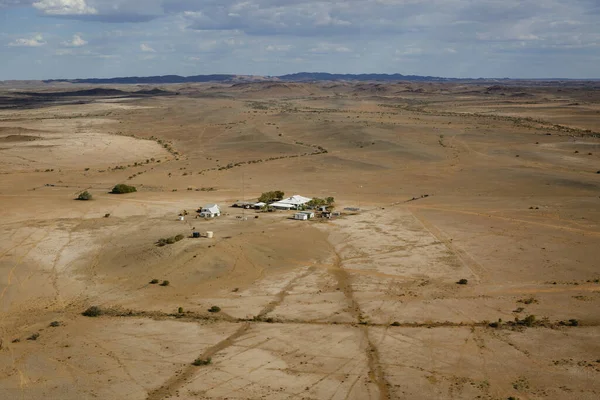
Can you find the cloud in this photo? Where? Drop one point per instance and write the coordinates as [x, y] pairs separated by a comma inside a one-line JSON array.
[[279, 47], [325, 48], [77, 41], [65, 7], [493, 37], [146, 49], [35, 41]]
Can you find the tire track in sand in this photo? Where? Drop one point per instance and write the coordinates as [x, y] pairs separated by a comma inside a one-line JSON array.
[[182, 377], [375, 371]]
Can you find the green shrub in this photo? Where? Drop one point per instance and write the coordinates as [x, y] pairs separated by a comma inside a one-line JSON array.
[[154, 281], [395, 323], [462, 282], [180, 310], [122, 188], [179, 237], [214, 309], [200, 361], [54, 324], [93, 311], [165, 283], [85, 195]]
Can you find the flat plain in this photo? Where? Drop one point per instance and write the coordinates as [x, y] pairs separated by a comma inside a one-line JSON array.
[[494, 184]]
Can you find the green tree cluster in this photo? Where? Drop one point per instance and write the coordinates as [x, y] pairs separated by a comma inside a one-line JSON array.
[[269, 197]]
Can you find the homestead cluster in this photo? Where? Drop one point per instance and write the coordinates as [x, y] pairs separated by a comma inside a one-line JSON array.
[[306, 207]]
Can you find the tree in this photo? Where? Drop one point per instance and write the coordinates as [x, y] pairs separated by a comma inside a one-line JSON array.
[[269, 197]]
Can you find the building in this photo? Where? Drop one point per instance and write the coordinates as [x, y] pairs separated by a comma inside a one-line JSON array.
[[304, 215], [210, 211], [290, 203], [282, 206], [243, 204]]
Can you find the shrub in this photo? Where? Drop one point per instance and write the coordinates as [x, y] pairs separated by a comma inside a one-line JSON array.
[[35, 336], [122, 188], [93, 311], [165, 283], [527, 321], [179, 237], [54, 324], [214, 309], [154, 281], [571, 322], [180, 310], [462, 282], [85, 195], [529, 300], [395, 323], [200, 361]]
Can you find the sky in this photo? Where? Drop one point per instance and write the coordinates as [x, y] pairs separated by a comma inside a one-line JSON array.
[[53, 39]]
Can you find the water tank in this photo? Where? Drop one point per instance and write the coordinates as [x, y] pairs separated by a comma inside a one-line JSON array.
[[209, 234]]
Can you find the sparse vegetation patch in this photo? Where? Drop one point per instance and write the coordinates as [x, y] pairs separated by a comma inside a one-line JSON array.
[[122, 188]]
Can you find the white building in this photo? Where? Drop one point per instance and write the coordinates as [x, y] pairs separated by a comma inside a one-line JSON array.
[[304, 215], [293, 202], [210, 211]]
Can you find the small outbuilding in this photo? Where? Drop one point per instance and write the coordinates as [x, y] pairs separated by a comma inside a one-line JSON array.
[[210, 211], [304, 215]]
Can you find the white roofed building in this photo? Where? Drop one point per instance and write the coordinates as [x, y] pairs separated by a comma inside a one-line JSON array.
[[210, 211], [290, 203]]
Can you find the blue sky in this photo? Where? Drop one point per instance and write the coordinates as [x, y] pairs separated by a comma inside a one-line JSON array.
[[41, 39]]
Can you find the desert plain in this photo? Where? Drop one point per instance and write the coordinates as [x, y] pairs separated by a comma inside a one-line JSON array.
[[497, 185]]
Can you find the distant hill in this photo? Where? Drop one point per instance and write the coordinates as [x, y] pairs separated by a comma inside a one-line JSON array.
[[149, 79], [101, 92], [324, 76], [298, 77]]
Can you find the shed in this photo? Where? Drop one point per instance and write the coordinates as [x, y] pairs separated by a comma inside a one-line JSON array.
[[282, 206], [301, 216], [309, 214]]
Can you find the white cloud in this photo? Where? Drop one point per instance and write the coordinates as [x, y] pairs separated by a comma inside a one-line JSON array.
[[77, 41], [65, 7], [35, 41], [279, 47], [146, 49], [325, 48]]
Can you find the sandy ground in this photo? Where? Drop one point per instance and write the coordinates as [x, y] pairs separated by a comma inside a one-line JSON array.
[[494, 185]]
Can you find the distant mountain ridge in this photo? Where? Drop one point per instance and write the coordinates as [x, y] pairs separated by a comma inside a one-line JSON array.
[[297, 77], [325, 76], [150, 79]]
